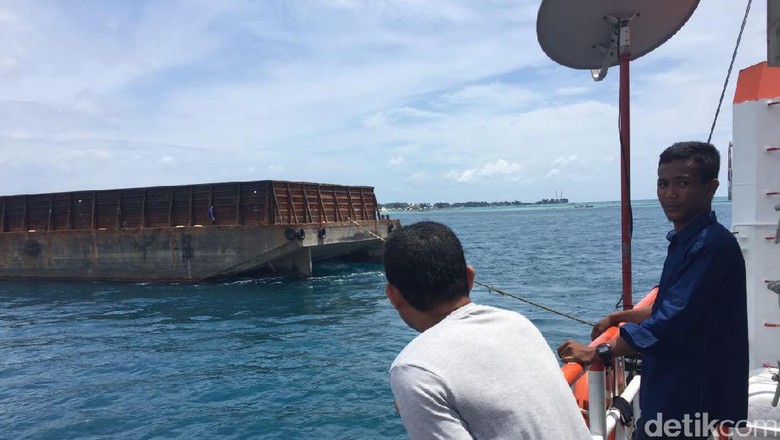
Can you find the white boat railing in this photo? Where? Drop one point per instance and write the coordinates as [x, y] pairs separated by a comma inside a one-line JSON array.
[[605, 421], [614, 422]]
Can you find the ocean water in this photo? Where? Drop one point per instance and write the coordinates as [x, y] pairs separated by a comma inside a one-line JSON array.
[[284, 358]]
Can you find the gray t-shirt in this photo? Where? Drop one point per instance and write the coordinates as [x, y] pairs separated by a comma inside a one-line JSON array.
[[484, 373]]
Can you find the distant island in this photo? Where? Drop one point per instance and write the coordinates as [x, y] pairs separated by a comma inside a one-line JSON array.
[[404, 206]]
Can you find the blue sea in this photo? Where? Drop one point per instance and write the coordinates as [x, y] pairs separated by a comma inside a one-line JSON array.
[[285, 358]]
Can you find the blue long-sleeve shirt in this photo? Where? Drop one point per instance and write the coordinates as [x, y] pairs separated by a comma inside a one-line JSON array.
[[695, 342]]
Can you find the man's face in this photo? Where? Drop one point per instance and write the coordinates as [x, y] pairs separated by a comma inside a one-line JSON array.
[[682, 193]]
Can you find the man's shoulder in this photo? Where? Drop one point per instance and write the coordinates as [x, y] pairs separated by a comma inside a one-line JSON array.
[[720, 245], [418, 352], [486, 315], [497, 311], [717, 236], [718, 228]]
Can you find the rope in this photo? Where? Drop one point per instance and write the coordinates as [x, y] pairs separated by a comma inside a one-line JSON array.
[[363, 228], [731, 66], [502, 292], [535, 304]]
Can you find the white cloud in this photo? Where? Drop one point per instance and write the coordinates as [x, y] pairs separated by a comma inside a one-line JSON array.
[[498, 168], [376, 120], [418, 178], [398, 160], [495, 96], [572, 90], [402, 115], [570, 159]]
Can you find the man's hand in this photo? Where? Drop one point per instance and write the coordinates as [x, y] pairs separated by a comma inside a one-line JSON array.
[[634, 315], [571, 351], [600, 327]]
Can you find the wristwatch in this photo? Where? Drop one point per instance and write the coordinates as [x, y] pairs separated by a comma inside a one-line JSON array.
[[605, 353]]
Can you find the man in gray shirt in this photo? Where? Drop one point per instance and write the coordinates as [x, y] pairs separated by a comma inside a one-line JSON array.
[[473, 371]]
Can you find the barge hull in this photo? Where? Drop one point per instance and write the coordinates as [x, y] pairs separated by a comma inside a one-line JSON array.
[[182, 254], [189, 233]]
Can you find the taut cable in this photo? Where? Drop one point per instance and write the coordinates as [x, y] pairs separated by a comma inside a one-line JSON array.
[[535, 304]]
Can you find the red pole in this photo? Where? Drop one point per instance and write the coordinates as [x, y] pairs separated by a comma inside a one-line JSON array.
[[625, 177]]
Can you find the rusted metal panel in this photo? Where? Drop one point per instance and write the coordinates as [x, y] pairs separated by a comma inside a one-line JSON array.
[[14, 213], [2, 218], [234, 203], [252, 204], [143, 208], [337, 206], [25, 221], [238, 206], [70, 212], [290, 205], [352, 212], [308, 215], [93, 224], [323, 211]]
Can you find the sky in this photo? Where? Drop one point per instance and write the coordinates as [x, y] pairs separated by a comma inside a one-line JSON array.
[[425, 100]]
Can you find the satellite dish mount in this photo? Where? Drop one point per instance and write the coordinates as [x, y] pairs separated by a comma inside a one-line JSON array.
[[620, 40]]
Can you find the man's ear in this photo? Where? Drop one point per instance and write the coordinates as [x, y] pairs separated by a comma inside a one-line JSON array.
[[394, 295], [470, 275], [712, 186]]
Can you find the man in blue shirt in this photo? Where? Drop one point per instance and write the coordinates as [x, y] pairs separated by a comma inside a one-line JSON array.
[[694, 340]]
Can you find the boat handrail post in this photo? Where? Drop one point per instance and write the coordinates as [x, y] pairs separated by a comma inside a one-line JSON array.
[[597, 409]]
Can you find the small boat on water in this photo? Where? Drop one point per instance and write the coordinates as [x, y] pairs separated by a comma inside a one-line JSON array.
[[604, 33], [188, 233]]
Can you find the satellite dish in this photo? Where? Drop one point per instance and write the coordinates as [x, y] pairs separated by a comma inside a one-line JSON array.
[[581, 34]]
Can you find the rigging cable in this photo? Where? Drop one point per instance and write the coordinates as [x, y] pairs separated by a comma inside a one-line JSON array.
[[728, 74], [499, 291], [535, 304]]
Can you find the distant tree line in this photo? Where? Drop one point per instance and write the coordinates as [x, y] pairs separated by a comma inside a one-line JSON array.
[[404, 206]]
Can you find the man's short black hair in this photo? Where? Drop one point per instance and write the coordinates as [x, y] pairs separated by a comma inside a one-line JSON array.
[[425, 262], [706, 157]]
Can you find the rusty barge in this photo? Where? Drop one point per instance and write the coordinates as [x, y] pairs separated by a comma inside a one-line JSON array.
[[188, 233]]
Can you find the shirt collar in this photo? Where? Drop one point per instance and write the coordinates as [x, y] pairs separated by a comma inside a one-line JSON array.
[[461, 311], [689, 231]]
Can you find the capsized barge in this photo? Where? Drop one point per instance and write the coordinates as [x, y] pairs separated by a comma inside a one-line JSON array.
[[188, 233]]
